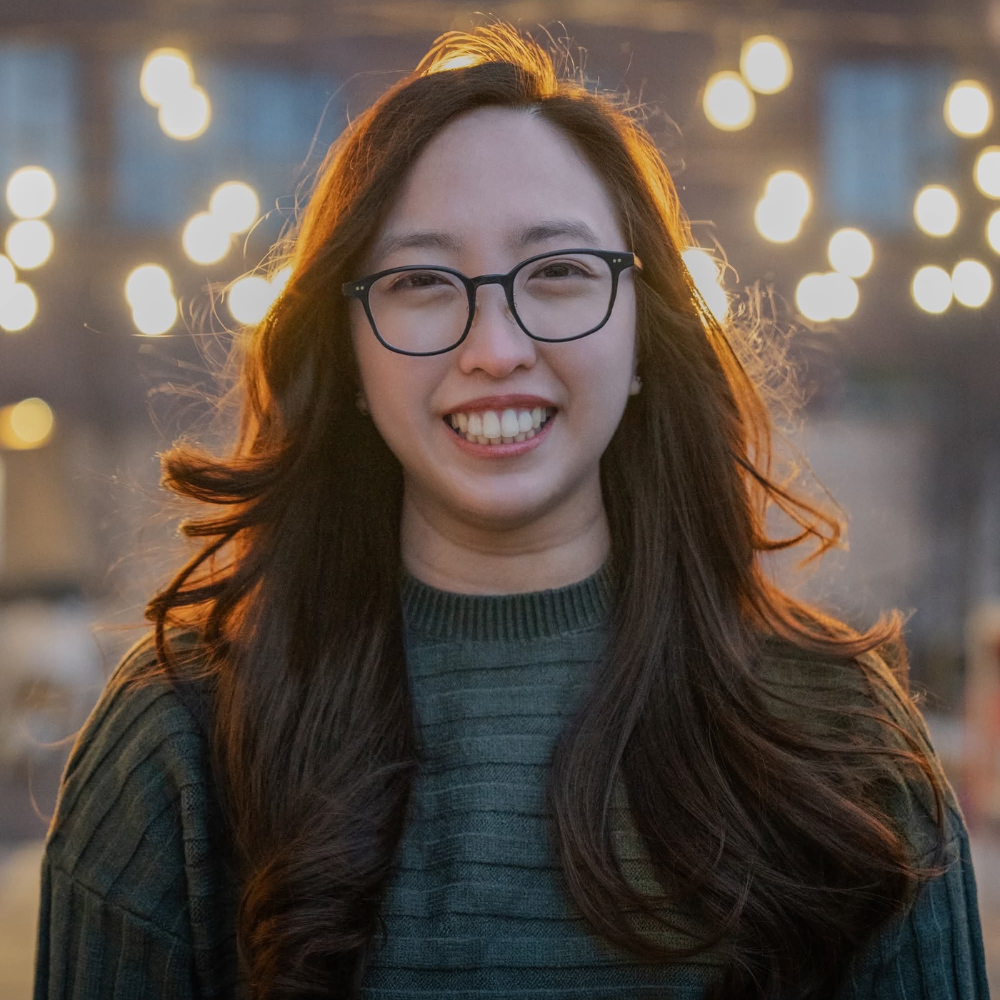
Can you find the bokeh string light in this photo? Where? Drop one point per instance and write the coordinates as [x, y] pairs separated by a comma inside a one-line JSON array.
[[993, 231], [822, 296], [27, 424], [765, 64], [971, 283], [31, 192], [187, 115], [765, 67], [235, 205], [784, 206], [986, 172], [968, 108], [149, 292], [167, 82], [250, 297], [205, 239], [936, 210], [850, 252], [165, 73], [728, 102], [29, 243], [825, 295], [18, 307], [207, 236], [931, 289]]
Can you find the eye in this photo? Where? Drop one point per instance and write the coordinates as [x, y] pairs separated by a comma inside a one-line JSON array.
[[417, 279], [560, 269]]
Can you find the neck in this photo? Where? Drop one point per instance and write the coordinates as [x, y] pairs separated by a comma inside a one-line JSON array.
[[556, 549]]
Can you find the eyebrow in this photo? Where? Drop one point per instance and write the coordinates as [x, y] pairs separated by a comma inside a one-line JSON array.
[[430, 239]]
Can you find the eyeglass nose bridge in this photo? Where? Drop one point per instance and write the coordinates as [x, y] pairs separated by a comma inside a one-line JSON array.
[[472, 286]]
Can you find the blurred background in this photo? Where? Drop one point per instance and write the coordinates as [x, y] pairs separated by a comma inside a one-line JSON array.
[[840, 163]]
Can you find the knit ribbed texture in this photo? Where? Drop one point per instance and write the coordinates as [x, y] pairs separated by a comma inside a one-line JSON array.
[[137, 901], [507, 618]]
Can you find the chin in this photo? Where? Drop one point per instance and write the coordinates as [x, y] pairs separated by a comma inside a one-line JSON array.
[[501, 512]]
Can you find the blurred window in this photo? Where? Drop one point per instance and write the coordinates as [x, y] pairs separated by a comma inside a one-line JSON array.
[[262, 131], [38, 118], [884, 138]]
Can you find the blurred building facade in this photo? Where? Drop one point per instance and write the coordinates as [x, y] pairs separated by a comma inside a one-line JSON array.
[[902, 406]]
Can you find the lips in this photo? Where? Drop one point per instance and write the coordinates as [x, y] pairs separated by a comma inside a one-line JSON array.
[[508, 401]]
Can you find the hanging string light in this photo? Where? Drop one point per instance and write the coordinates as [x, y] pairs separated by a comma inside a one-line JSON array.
[[728, 102], [765, 64], [968, 108]]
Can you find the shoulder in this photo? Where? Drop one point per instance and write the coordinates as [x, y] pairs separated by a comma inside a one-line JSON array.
[[135, 810], [140, 713]]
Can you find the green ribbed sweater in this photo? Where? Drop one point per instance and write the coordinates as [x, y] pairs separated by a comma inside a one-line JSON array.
[[136, 902]]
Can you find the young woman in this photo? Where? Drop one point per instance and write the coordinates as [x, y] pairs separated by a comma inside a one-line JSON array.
[[475, 686]]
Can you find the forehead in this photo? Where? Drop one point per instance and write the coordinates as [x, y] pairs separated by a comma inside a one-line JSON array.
[[491, 171]]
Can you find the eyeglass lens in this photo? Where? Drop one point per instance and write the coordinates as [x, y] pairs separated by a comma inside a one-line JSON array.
[[556, 298]]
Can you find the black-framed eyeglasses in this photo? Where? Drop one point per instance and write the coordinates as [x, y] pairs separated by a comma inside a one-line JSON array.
[[555, 296]]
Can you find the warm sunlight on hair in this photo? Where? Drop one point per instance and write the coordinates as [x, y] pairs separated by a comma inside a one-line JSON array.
[[457, 61], [493, 42]]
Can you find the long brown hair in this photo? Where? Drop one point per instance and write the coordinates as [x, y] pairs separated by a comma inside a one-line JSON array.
[[294, 596]]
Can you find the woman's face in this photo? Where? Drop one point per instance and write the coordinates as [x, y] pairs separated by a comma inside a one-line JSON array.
[[479, 187]]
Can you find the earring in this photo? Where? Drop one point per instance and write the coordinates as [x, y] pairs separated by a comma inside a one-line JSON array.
[[636, 386], [361, 402]]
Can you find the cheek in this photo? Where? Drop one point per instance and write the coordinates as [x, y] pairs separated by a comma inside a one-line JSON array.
[[600, 370], [363, 341], [600, 388], [398, 390], [394, 394], [377, 367], [393, 403]]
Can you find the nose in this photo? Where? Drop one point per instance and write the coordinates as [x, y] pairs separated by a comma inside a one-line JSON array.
[[495, 344]]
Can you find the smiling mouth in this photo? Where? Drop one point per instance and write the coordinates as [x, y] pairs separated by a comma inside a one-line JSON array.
[[500, 427]]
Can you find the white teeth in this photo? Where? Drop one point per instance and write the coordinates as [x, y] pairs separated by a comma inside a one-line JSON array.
[[491, 425], [509, 423], [509, 426]]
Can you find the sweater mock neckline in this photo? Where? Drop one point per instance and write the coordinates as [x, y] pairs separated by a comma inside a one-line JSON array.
[[539, 614]]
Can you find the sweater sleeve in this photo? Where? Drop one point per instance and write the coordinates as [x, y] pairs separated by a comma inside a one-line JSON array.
[[935, 950], [90, 949], [133, 902]]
